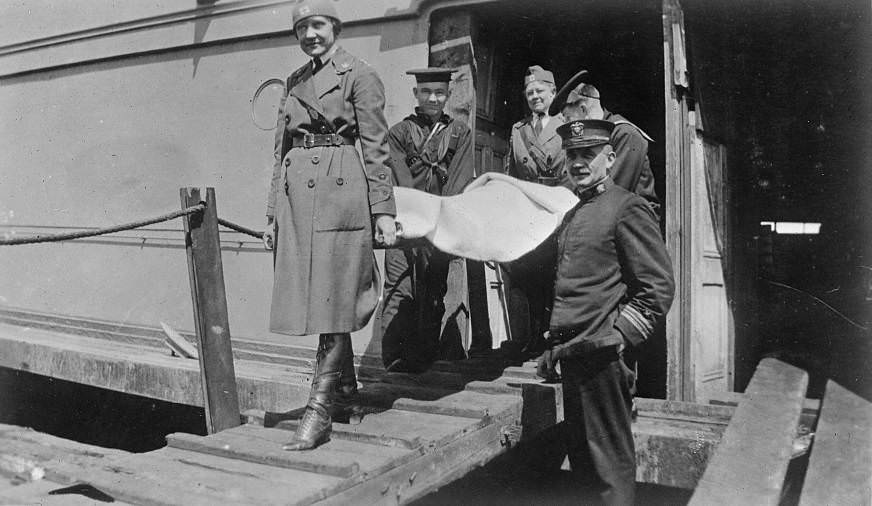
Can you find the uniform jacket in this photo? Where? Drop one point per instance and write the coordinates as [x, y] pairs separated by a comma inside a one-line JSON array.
[[545, 156], [614, 276], [450, 149], [632, 169], [323, 198]]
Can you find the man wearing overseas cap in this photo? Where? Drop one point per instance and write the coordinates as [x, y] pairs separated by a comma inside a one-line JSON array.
[[579, 99], [325, 208], [614, 284], [431, 152], [534, 155]]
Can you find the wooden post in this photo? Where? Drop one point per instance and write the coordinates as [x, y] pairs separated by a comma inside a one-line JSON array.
[[206, 274], [451, 37]]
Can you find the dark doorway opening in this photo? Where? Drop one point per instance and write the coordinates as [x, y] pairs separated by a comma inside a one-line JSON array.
[[619, 43]]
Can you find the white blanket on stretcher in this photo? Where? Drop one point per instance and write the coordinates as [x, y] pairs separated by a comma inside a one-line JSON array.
[[496, 218]]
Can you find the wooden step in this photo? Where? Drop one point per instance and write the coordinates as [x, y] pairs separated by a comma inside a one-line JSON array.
[[401, 429]]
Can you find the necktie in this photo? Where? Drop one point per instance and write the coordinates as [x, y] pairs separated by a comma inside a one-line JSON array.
[[316, 64], [537, 126]]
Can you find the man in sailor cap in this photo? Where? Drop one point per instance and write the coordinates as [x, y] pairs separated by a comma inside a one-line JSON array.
[[431, 152]]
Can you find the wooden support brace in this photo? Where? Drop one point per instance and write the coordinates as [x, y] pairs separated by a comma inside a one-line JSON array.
[[206, 275]]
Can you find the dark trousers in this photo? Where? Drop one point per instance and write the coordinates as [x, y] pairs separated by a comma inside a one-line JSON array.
[[530, 294], [598, 398], [415, 287]]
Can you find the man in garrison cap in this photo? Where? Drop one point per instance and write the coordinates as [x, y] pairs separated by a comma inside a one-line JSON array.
[[614, 284], [534, 155], [579, 99], [431, 152]]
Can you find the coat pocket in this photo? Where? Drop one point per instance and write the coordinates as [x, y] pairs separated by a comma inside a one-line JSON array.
[[339, 205]]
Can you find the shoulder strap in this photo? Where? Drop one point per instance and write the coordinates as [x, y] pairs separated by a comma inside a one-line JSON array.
[[642, 132]]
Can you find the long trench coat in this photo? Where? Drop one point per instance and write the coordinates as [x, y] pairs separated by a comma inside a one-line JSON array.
[[323, 199], [546, 148]]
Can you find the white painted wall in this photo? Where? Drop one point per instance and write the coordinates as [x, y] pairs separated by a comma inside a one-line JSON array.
[[109, 142]]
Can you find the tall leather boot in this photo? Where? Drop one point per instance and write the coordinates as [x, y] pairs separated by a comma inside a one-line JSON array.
[[316, 425], [346, 408]]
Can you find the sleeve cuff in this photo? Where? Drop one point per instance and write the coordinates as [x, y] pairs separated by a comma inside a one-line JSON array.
[[633, 326]]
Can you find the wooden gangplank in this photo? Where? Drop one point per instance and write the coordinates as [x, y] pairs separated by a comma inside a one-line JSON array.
[[840, 466], [751, 461]]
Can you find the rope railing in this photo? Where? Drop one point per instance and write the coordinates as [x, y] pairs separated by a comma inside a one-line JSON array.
[[79, 234], [240, 228]]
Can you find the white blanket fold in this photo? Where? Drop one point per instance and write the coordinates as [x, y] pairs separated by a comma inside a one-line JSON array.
[[496, 218]]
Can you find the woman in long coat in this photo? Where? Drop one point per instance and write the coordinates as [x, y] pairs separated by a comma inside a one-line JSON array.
[[321, 208]]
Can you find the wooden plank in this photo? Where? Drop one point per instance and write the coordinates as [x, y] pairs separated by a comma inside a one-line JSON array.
[[679, 410], [751, 462], [144, 371], [147, 479], [401, 429], [460, 404], [206, 274], [294, 482], [672, 452], [251, 447], [38, 493], [177, 343], [840, 467], [810, 407], [435, 468]]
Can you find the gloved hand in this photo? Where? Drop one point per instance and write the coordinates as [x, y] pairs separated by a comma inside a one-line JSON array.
[[546, 368]]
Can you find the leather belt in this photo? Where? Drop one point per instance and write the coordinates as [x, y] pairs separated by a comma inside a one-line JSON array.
[[317, 140], [548, 181]]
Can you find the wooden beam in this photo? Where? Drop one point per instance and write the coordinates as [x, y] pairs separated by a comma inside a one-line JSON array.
[[206, 274], [840, 468], [145, 371], [679, 364], [751, 461]]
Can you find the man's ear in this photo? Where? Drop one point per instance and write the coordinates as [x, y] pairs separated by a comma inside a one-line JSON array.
[[611, 156], [415, 92]]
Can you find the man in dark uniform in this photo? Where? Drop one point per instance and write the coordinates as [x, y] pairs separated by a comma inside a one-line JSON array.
[[535, 155], [614, 283], [579, 100], [431, 152]]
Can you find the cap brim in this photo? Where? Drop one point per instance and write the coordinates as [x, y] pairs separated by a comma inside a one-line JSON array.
[[560, 99]]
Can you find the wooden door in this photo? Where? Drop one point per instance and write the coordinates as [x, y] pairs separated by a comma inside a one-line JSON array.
[[699, 327], [711, 317]]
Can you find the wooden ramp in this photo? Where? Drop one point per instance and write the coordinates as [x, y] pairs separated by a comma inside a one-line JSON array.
[[419, 433]]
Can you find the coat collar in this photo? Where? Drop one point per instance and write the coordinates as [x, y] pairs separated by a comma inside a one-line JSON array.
[[548, 132], [309, 88], [592, 192]]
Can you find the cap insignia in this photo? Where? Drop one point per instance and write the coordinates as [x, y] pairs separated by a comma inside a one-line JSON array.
[[577, 128]]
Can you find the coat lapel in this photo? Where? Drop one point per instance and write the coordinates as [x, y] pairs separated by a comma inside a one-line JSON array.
[[550, 129], [304, 90]]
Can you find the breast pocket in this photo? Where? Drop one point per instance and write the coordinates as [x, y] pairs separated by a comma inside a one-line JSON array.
[[340, 205]]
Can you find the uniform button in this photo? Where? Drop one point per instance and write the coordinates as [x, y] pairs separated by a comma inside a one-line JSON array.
[[287, 118], [524, 160], [340, 181], [311, 183], [316, 159], [287, 162], [382, 175]]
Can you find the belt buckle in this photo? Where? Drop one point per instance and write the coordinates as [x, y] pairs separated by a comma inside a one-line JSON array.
[[308, 140]]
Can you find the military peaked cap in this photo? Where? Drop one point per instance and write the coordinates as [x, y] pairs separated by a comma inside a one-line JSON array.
[[585, 133]]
